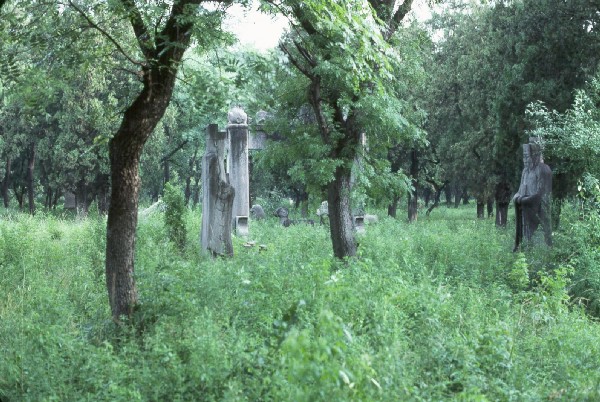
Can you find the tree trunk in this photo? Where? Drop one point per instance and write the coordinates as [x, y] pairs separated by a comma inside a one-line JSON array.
[[341, 226], [5, 184], [393, 207], [188, 179], [465, 197], [480, 208], [125, 149], [448, 194], [490, 207], [30, 181], [502, 196], [48, 198], [56, 196], [427, 195], [457, 197], [413, 194]]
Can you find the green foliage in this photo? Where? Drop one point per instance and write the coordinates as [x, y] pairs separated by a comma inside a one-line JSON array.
[[175, 215], [491, 61], [573, 135], [427, 312]]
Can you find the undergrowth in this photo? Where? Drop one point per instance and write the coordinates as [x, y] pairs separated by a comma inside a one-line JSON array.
[[437, 310]]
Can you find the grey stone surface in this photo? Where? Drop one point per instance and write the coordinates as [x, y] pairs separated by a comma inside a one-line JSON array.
[[533, 199]]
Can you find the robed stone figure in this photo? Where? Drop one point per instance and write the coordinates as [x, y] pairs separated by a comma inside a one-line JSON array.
[[532, 201]]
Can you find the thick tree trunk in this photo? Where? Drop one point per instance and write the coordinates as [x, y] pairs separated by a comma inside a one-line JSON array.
[[5, 184], [30, 179], [121, 225], [125, 149], [490, 207], [341, 226]]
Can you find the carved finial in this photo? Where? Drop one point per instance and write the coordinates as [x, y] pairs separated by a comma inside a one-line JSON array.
[[237, 116]]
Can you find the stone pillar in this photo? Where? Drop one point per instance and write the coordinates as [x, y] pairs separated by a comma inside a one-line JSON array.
[[237, 162], [217, 197]]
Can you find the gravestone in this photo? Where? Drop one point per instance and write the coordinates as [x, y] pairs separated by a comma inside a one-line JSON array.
[[237, 163], [70, 201], [217, 197], [532, 201]]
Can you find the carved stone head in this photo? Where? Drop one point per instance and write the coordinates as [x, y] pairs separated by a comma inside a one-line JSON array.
[[237, 116], [532, 155]]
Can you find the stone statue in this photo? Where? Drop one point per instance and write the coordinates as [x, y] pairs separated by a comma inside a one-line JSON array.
[[532, 201], [257, 212]]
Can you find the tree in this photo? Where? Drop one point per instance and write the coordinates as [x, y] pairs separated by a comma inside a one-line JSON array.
[[493, 60], [163, 33], [341, 50]]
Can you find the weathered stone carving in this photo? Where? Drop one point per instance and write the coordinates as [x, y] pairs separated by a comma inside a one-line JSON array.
[[283, 214], [532, 201], [237, 161], [237, 116], [257, 212], [218, 196]]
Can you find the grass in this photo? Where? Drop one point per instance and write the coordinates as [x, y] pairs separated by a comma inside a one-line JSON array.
[[437, 310]]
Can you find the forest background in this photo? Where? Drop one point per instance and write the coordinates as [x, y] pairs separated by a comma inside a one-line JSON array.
[[446, 105]]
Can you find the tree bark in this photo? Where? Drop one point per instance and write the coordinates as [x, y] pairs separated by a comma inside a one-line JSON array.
[[502, 196], [30, 177], [5, 184], [480, 208], [125, 149], [162, 59], [413, 209], [393, 207], [341, 226]]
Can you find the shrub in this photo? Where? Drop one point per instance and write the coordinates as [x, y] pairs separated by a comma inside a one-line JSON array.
[[174, 215]]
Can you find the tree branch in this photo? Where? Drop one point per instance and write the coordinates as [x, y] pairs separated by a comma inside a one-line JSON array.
[[397, 18], [177, 148], [104, 33], [139, 28], [295, 62]]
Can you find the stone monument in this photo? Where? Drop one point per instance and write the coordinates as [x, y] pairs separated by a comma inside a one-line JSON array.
[[237, 163], [217, 197], [532, 201]]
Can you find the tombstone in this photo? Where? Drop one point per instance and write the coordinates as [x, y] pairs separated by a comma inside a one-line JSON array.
[[70, 201], [258, 138], [323, 212], [217, 197], [237, 163], [359, 224], [532, 201]]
